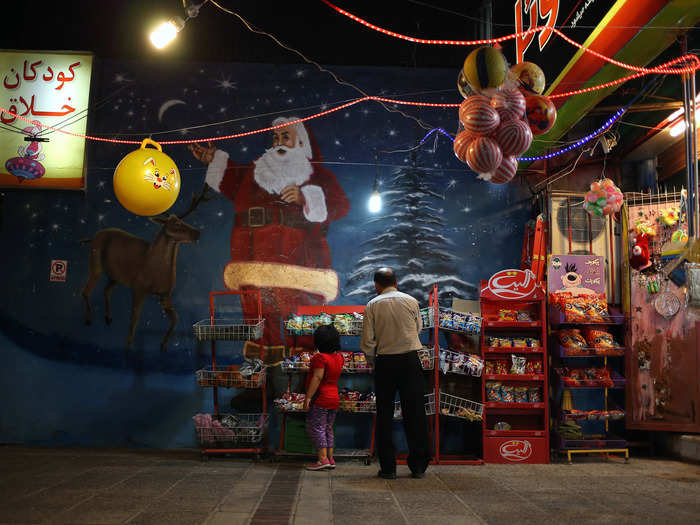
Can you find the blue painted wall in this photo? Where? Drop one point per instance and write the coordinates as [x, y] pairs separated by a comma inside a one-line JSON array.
[[64, 383]]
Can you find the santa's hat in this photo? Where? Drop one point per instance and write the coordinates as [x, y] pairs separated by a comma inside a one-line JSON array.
[[305, 138]]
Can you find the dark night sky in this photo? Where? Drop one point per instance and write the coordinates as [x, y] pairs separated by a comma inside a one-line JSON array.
[[119, 28]]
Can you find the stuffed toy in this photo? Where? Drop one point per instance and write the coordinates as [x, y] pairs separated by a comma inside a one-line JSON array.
[[640, 253]]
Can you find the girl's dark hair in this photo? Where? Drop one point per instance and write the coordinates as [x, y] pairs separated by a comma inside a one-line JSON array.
[[327, 339]]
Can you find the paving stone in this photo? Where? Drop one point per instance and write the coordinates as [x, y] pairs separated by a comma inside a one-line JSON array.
[[162, 517]]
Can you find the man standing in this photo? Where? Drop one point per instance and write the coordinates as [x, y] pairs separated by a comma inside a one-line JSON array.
[[283, 206], [390, 332]]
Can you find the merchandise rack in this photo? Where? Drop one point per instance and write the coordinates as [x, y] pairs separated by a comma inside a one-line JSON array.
[[528, 439], [449, 403], [249, 437], [605, 443], [346, 407]]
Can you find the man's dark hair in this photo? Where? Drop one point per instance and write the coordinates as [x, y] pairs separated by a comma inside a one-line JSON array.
[[385, 277], [327, 339]]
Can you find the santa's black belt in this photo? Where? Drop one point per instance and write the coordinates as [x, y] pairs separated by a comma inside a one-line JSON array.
[[257, 217]]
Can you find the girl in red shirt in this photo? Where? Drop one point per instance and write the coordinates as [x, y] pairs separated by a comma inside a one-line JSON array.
[[322, 399]]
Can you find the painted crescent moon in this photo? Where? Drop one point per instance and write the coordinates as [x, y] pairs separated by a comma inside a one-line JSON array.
[[166, 105]]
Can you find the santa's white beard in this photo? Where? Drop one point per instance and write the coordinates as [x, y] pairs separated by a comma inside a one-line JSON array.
[[274, 172]]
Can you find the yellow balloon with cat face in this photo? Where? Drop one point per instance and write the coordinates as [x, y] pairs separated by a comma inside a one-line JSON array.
[[147, 181]]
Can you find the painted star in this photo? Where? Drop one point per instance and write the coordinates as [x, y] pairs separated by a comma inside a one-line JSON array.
[[300, 73], [120, 77], [225, 84], [130, 113], [638, 308], [54, 227], [222, 109], [392, 132], [101, 185], [199, 106]]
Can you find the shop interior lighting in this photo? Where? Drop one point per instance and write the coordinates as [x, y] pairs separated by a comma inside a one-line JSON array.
[[166, 32]]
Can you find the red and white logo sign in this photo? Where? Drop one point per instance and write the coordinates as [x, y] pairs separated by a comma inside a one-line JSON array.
[[516, 450], [59, 271], [512, 284]]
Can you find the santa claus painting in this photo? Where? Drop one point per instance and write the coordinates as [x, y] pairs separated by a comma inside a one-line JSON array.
[[283, 203]]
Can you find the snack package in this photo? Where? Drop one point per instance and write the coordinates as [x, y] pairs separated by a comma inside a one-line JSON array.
[[347, 359], [459, 321], [517, 364], [520, 394], [307, 326], [493, 391], [576, 309], [600, 304], [507, 394], [489, 367], [359, 361], [295, 324], [518, 342], [532, 343], [523, 316], [600, 339], [426, 317], [501, 367], [571, 339], [507, 315], [537, 366], [446, 319], [534, 394], [474, 365], [530, 367]]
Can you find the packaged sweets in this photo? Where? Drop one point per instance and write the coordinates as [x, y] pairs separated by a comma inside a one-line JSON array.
[[520, 394], [530, 367], [501, 367], [307, 326], [517, 364], [359, 361], [459, 321], [347, 359], [534, 394], [507, 315], [518, 342], [474, 365], [532, 343], [523, 316], [507, 394], [576, 310], [572, 339], [426, 317], [536, 366], [446, 319], [600, 338], [493, 391], [295, 324], [489, 367]]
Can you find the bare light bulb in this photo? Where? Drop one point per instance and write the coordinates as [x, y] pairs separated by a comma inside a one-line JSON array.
[[166, 32], [375, 202]]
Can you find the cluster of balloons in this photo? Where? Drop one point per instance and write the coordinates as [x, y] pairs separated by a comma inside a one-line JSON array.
[[604, 198], [502, 110], [147, 181]]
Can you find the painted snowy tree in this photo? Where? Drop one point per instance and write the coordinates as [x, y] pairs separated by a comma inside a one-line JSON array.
[[412, 241]]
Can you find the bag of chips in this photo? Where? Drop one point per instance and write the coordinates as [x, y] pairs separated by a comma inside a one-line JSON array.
[[600, 339], [507, 394], [520, 394], [517, 364], [493, 391]]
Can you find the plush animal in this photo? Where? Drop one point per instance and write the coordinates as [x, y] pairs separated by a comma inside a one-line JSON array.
[[640, 253]]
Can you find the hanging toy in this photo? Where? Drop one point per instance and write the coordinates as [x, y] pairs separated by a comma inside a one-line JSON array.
[[640, 253], [603, 198], [483, 155], [147, 181], [541, 113], [514, 137], [503, 173], [485, 69], [509, 103], [528, 76], [679, 236], [477, 116], [644, 227], [461, 143], [463, 86], [669, 216]]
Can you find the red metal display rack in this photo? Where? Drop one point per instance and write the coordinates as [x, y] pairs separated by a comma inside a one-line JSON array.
[[365, 454], [527, 440], [447, 405], [250, 434]]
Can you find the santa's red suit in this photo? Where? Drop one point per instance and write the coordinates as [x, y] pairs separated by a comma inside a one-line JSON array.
[[277, 247]]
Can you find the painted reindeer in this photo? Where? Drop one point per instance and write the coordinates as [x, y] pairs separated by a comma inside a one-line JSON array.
[[148, 268]]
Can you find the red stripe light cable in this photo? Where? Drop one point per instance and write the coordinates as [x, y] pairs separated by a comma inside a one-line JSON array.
[[657, 69]]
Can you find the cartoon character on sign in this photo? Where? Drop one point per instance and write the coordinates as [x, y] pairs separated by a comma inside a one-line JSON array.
[[516, 450], [27, 165], [571, 281]]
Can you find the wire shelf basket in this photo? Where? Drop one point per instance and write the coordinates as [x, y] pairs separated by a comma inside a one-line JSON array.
[[231, 429], [229, 378], [427, 316], [429, 406], [229, 329], [368, 406], [427, 358], [460, 407], [459, 363]]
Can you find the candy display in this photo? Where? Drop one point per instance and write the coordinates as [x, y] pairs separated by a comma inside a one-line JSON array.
[[498, 392], [513, 342], [291, 402], [517, 364], [459, 322], [591, 377], [507, 393], [459, 363], [352, 362], [346, 324], [353, 401]]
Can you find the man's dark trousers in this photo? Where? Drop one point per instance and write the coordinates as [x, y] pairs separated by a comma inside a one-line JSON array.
[[402, 372]]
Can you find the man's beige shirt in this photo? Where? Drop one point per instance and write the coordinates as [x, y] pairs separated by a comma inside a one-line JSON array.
[[391, 324]]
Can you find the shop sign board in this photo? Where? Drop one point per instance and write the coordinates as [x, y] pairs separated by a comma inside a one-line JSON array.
[[576, 274], [43, 88], [512, 285], [514, 449]]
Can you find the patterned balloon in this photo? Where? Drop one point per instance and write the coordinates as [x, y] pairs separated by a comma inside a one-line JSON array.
[[483, 155], [514, 137], [477, 116], [529, 76], [463, 86], [505, 171], [462, 141], [541, 113], [485, 68], [510, 103]]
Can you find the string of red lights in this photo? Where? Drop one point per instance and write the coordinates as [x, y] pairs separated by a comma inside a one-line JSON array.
[[658, 69]]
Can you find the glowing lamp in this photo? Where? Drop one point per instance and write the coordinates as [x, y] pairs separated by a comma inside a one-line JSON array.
[[375, 202], [166, 32], [677, 128]]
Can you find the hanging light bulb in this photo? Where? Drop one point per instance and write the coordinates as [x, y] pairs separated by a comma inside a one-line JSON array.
[[166, 32], [375, 200]]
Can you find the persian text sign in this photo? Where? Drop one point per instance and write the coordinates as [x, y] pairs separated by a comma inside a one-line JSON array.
[[516, 450], [512, 284], [47, 88]]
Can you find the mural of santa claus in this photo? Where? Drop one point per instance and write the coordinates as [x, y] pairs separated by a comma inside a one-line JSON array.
[[283, 203]]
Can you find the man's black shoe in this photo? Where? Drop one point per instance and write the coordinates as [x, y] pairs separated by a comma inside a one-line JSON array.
[[418, 475], [386, 475]]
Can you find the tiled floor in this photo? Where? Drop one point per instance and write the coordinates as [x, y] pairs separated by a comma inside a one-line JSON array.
[[81, 486]]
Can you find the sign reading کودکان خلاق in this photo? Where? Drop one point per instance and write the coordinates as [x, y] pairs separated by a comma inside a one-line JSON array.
[[45, 88]]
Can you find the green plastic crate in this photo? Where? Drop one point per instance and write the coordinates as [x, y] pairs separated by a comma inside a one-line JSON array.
[[295, 437]]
